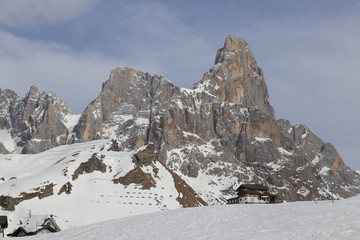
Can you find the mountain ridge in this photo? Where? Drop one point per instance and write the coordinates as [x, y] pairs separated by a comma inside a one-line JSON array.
[[219, 134]]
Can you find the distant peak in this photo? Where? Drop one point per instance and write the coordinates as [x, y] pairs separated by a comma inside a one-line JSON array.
[[122, 71], [236, 77], [33, 89], [231, 45], [33, 92], [125, 68]]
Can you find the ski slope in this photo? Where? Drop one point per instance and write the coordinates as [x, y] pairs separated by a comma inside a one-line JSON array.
[[299, 220]]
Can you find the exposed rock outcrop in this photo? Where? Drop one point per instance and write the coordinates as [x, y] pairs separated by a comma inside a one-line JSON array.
[[8, 203], [94, 163], [36, 122], [66, 188], [137, 175], [187, 197]]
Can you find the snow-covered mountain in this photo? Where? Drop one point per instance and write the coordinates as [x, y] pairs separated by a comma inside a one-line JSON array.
[[143, 135], [219, 134], [89, 182], [297, 221], [36, 123]]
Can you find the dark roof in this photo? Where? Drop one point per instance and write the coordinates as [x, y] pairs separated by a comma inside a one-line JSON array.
[[250, 192], [46, 227], [3, 221], [232, 198], [20, 232], [252, 187]]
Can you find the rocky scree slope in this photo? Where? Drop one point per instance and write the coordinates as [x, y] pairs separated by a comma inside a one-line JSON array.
[[219, 134]]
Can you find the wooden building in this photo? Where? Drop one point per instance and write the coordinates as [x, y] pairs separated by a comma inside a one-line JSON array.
[[253, 194]]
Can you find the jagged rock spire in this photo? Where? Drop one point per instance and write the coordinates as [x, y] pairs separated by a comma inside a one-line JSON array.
[[35, 122], [236, 77]]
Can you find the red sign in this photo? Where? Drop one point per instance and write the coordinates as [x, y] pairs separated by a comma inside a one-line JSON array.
[[303, 191]]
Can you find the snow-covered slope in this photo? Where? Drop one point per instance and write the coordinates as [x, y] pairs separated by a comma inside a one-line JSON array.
[[84, 183], [298, 220], [7, 140]]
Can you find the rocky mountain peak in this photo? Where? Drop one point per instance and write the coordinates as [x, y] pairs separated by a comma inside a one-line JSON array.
[[33, 91], [232, 45], [219, 134], [36, 122], [121, 95], [8, 99], [236, 77]]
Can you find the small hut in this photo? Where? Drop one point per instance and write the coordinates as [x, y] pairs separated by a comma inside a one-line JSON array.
[[34, 225]]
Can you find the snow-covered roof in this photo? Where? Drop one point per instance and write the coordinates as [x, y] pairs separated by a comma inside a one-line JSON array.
[[32, 223]]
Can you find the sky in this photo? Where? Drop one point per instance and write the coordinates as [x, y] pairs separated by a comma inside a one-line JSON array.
[[309, 51]]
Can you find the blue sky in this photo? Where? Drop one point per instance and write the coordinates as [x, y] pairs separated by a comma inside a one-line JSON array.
[[309, 51]]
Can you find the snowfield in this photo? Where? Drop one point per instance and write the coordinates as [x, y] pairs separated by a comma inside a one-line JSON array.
[[93, 198], [298, 220], [97, 208]]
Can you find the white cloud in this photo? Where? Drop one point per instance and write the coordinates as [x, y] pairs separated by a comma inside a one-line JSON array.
[[53, 67], [154, 33], [155, 42], [33, 13], [74, 76]]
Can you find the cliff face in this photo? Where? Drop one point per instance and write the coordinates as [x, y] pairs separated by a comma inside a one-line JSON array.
[[219, 134], [236, 77], [35, 123]]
